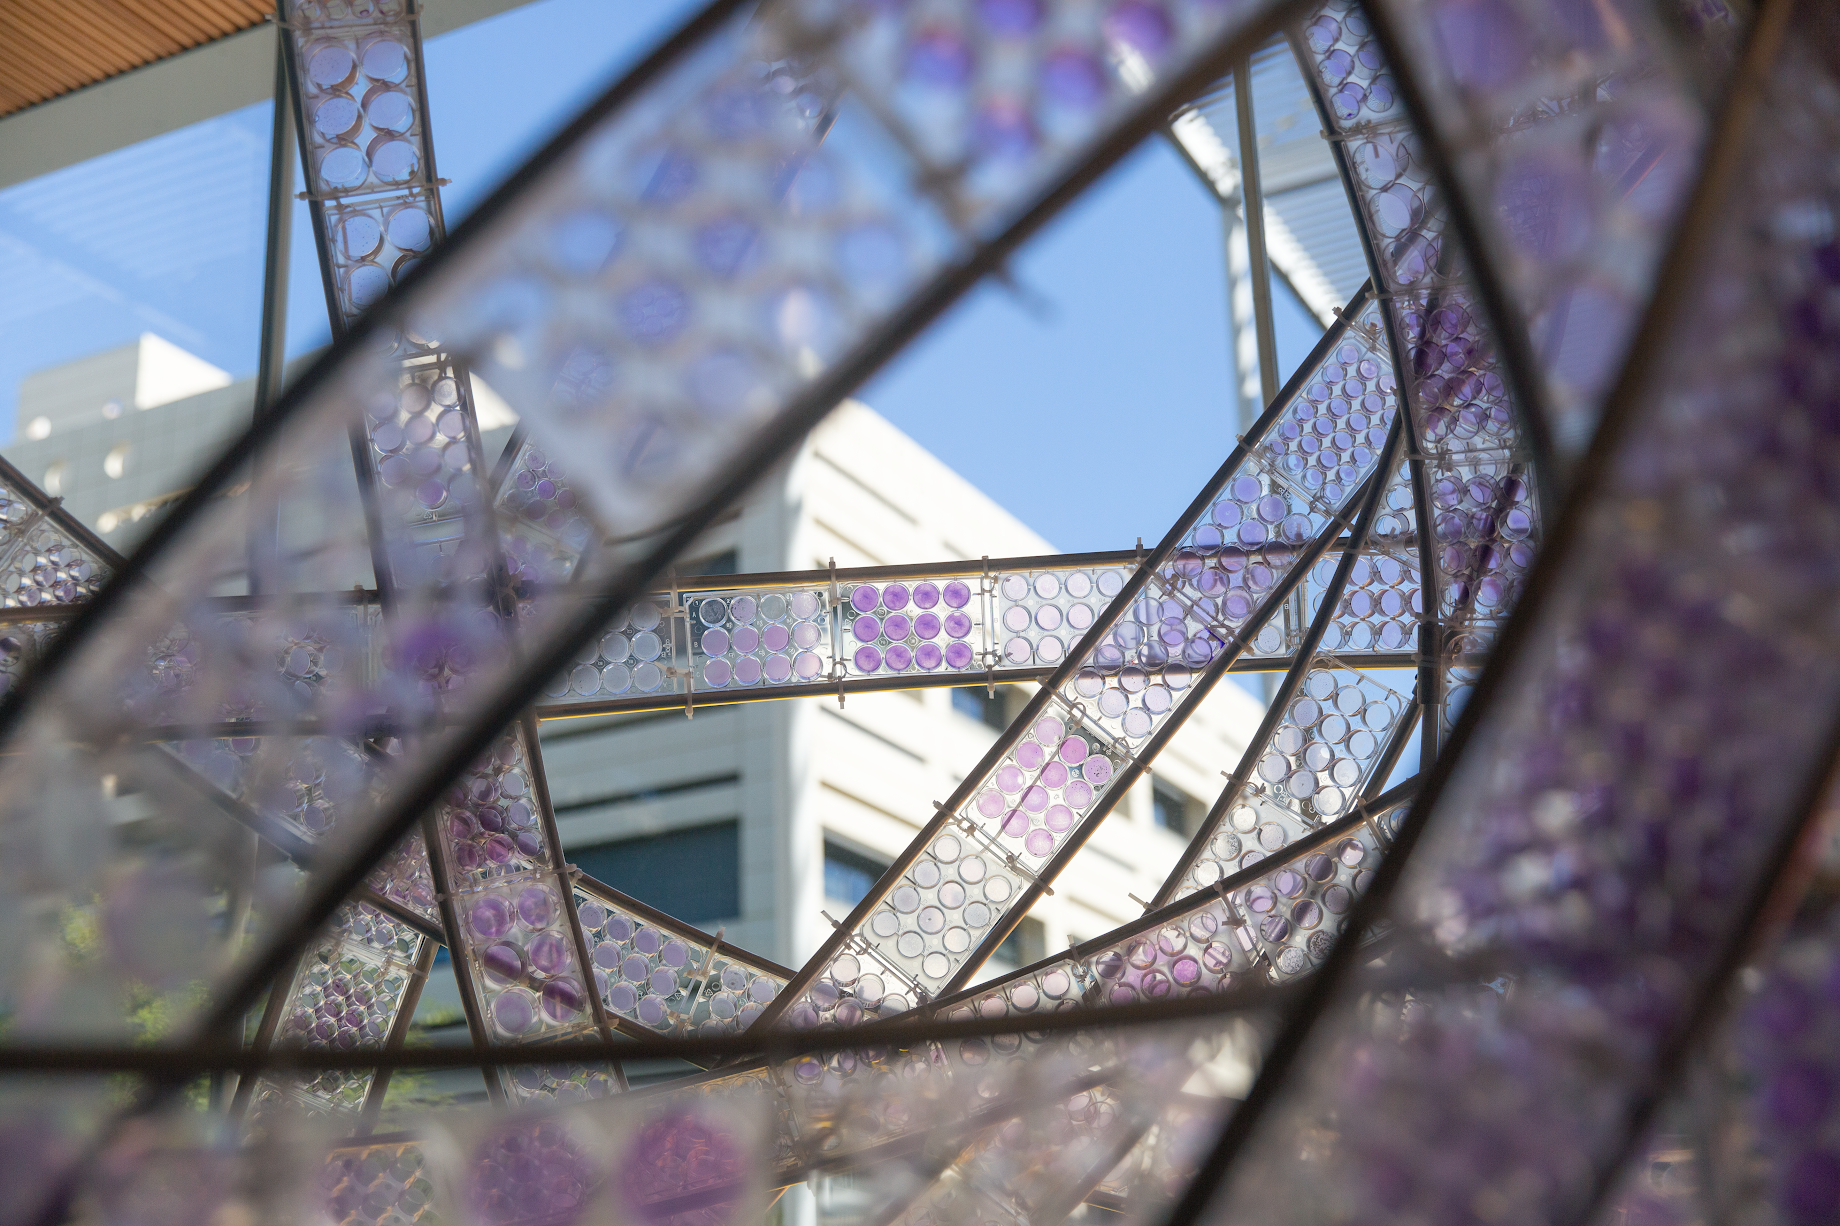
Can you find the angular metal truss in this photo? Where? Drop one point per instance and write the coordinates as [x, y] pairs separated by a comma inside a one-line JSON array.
[[1625, 740]]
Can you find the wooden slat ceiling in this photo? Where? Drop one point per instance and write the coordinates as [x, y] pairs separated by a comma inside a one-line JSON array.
[[50, 47]]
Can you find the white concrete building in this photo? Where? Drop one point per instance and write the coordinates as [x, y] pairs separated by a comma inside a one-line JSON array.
[[822, 795], [760, 817]]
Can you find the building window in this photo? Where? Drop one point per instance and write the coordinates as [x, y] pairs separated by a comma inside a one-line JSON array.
[[694, 874], [1169, 808], [728, 562], [978, 702], [849, 875], [1026, 944]]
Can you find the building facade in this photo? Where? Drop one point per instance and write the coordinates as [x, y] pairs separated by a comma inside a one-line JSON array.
[[759, 819]]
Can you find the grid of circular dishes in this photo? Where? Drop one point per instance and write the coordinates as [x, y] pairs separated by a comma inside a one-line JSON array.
[[404, 877], [923, 627], [1379, 608], [1136, 676], [377, 1185], [46, 568], [1295, 912], [945, 902], [646, 973], [540, 520], [360, 105], [307, 789], [375, 244], [1041, 615], [489, 818], [420, 443], [771, 638], [1259, 825], [1321, 750], [1328, 439], [629, 658], [517, 937], [539, 1083], [344, 996]]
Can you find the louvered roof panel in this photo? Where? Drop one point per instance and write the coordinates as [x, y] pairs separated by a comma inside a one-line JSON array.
[[47, 50]]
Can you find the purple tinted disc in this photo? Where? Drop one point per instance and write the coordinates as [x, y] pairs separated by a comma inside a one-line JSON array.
[[1038, 843], [926, 595], [747, 670], [958, 655], [900, 659], [807, 665], [927, 625], [716, 673], [894, 597], [928, 656], [868, 659], [958, 625], [897, 626], [957, 594], [867, 629], [865, 598], [778, 669]]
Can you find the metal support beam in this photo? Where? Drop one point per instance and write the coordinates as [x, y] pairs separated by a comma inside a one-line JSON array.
[[1252, 204]]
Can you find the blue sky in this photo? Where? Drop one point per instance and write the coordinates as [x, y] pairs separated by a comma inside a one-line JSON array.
[[1092, 405]]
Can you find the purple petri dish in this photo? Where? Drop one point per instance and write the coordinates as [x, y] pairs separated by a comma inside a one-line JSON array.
[[899, 658], [957, 624], [865, 598], [925, 595], [866, 628], [957, 594], [897, 626], [894, 597], [926, 625], [928, 656], [867, 659], [958, 656]]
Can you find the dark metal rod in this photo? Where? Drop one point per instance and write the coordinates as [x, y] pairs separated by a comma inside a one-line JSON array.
[[1504, 315], [1088, 642], [1430, 641], [1305, 657], [399, 1031], [652, 915], [1252, 200], [264, 1038], [552, 838], [1672, 294], [626, 582], [178, 1063], [53, 510], [1151, 920], [442, 874], [1138, 763], [558, 710]]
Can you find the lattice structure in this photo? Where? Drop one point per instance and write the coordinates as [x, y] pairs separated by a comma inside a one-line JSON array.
[[1624, 740]]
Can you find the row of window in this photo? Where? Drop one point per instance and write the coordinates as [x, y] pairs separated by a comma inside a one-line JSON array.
[[695, 875]]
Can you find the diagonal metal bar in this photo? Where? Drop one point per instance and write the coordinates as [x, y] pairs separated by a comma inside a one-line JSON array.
[[1304, 659], [1252, 200], [1672, 302], [1362, 505], [1430, 637], [849, 934], [614, 592]]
